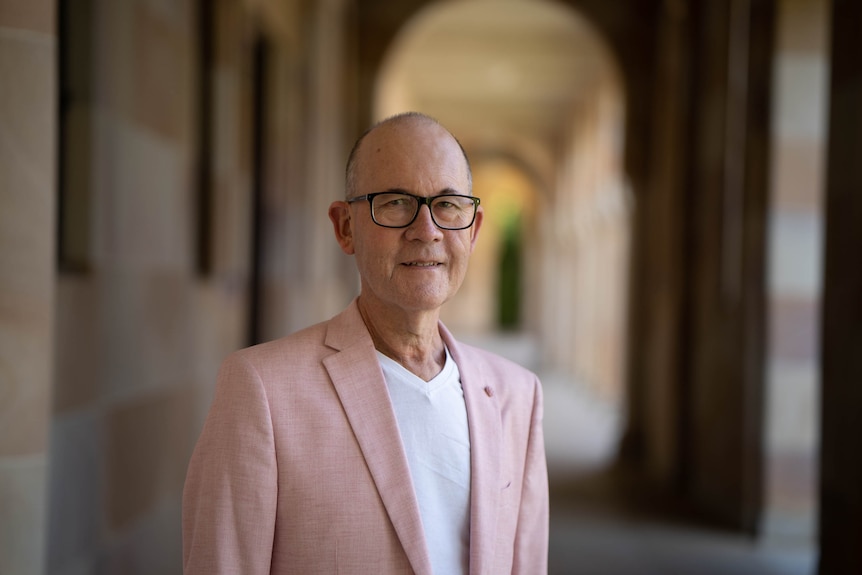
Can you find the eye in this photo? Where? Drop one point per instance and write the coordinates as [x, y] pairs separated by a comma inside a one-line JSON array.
[[393, 201], [453, 203]]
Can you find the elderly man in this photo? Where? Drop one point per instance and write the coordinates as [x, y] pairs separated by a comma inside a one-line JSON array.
[[375, 443]]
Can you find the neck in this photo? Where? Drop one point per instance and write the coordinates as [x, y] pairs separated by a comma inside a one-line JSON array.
[[413, 340]]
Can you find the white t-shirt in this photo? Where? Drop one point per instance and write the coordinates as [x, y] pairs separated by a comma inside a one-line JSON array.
[[432, 419]]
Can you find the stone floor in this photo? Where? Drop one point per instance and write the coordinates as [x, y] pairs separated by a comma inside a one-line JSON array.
[[600, 544], [600, 525]]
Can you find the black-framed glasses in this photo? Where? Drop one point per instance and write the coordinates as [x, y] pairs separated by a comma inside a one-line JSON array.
[[399, 209]]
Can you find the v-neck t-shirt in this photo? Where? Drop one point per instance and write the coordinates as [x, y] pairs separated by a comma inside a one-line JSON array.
[[432, 420]]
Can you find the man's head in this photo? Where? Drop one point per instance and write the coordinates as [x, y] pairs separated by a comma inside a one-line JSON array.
[[419, 266]]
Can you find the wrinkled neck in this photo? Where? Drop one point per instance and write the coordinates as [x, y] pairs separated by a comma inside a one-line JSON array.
[[416, 345]]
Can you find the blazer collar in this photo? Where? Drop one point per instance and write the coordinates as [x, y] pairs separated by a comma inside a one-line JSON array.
[[358, 380], [485, 424]]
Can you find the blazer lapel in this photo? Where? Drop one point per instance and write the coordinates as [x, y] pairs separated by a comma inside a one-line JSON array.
[[484, 422], [359, 382]]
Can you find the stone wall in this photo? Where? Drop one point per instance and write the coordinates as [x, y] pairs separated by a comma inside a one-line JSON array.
[[27, 176], [136, 142]]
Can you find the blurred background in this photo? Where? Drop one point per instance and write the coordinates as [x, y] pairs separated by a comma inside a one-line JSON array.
[[672, 239]]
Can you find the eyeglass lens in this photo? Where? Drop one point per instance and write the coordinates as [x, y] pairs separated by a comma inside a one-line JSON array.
[[398, 210]]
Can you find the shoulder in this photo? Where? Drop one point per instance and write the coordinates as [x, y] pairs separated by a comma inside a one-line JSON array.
[[300, 350], [481, 359], [302, 353], [487, 368], [491, 360], [309, 337], [313, 343]]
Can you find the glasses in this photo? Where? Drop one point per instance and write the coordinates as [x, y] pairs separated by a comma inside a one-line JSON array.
[[399, 209]]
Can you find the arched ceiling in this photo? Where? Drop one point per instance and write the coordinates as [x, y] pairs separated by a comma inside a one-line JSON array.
[[493, 70]]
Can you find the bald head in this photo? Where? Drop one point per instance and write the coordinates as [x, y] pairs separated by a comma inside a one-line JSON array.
[[407, 122]]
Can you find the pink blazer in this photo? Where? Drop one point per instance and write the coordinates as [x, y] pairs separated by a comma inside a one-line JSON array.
[[300, 467]]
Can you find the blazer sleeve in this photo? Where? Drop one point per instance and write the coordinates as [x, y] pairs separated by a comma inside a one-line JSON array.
[[230, 494], [531, 537]]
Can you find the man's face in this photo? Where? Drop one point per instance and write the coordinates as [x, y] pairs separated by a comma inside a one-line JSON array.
[[419, 267]]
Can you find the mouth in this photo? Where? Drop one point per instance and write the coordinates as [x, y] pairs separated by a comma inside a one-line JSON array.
[[421, 264]]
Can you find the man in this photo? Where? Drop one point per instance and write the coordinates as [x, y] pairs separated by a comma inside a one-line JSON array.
[[374, 443]]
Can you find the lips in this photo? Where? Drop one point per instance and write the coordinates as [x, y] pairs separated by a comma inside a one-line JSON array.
[[421, 264]]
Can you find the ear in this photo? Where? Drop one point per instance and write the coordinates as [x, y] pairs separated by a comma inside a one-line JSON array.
[[339, 213], [474, 229]]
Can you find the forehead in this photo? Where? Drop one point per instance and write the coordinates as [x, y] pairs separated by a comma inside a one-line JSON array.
[[416, 156]]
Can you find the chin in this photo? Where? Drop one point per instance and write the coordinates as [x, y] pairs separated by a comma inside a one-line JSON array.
[[424, 302]]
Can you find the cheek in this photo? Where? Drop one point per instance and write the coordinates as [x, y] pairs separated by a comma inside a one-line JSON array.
[[372, 259], [464, 248], [460, 258]]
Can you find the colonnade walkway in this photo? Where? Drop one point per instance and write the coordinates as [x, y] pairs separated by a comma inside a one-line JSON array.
[[605, 522]]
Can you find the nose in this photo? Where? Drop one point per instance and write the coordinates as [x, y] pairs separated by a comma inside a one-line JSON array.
[[423, 227]]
